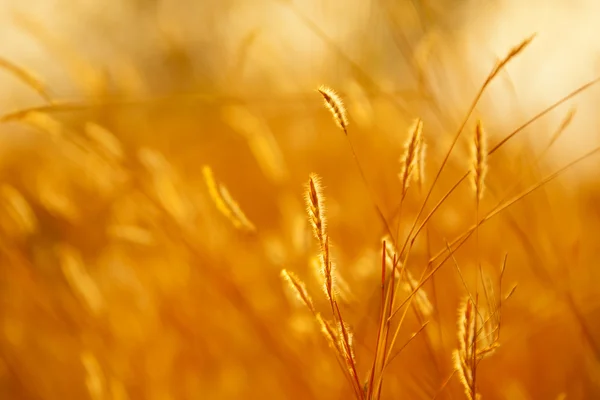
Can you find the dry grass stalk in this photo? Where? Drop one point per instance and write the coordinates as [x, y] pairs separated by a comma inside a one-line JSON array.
[[225, 203], [336, 107], [479, 162]]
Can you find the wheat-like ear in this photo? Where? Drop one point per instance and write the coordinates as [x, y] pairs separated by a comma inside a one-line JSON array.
[[316, 208], [464, 361], [336, 107], [410, 157], [479, 162]]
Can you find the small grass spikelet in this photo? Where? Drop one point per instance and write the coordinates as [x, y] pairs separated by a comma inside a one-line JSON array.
[[479, 163], [336, 107]]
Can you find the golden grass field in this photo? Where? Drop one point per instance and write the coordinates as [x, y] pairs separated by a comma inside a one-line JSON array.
[[186, 213]]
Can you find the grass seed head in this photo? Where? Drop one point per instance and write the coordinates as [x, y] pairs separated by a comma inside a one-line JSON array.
[[479, 163], [409, 160], [336, 107]]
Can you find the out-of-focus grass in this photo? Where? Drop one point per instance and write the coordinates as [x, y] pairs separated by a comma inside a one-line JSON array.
[[120, 278]]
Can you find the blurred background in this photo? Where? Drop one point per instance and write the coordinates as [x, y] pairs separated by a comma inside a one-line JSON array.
[[121, 279]]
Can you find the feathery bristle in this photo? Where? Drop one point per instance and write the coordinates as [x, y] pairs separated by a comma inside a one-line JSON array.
[[336, 107]]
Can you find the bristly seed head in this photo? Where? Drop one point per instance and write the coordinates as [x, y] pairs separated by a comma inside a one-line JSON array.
[[410, 158], [336, 107], [315, 207]]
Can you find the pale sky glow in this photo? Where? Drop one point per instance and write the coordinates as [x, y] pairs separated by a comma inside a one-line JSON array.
[[565, 54]]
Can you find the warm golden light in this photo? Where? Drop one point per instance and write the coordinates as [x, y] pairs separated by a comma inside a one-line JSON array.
[[299, 199]]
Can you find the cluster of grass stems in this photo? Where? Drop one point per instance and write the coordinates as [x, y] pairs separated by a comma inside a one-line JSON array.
[[479, 316]]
